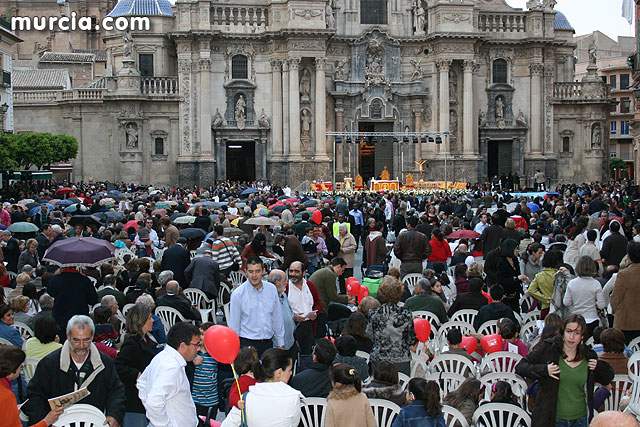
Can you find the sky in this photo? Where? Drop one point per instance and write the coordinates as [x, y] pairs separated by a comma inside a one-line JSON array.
[[587, 16]]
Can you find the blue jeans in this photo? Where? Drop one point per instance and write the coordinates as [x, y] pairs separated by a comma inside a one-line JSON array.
[[580, 422], [134, 419]]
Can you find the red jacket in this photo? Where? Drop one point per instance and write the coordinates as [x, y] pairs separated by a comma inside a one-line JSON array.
[[440, 250]]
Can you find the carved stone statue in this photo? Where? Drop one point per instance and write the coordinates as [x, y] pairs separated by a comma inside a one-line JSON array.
[[534, 5], [329, 15], [305, 122], [499, 108], [453, 87], [305, 84], [374, 69], [453, 121], [128, 44], [521, 120], [132, 135], [418, 72], [217, 119], [549, 4], [592, 52], [420, 20], [264, 120], [384, 175], [596, 136], [241, 112], [481, 118], [342, 70]]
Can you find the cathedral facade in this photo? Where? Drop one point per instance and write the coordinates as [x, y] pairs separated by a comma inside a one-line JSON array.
[[248, 90]]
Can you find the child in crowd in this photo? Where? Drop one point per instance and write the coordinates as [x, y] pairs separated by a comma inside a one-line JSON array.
[[205, 380], [347, 405], [105, 332], [244, 369], [511, 341], [424, 407]]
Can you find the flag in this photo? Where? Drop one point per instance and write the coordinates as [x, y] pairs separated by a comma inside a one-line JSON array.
[[627, 10]]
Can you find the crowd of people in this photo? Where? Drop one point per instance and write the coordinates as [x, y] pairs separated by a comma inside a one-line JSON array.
[[564, 258]]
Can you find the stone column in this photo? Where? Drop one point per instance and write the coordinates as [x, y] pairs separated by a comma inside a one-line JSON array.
[[186, 117], [443, 66], [339, 159], [468, 147], [276, 107], [206, 147], [536, 125], [321, 110], [286, 146], [294, 108]]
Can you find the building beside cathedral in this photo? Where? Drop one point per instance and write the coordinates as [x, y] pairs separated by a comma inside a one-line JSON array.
[[248, 90]]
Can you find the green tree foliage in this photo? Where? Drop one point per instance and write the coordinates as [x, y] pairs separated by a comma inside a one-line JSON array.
[[35, 149], [7, 153], [617, 163]]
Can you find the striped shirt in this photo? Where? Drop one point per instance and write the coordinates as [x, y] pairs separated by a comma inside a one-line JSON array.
[[205, 382], [225, 253]]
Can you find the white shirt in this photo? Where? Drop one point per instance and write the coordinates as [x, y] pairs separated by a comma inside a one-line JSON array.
[[301, 300], [274, 404], [152, 235], [165, 393]]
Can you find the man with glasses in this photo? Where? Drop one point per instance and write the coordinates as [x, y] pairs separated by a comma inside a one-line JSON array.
[[163, 387], [78, 364]]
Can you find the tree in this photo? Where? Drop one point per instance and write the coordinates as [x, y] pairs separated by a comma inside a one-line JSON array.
[[617, 163], [42, 149], [7, 152]]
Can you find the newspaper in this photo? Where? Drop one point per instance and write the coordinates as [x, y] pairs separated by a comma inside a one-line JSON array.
[[69, 399]]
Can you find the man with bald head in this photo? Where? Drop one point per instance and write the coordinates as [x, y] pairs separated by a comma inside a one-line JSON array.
[[173, 299], [279, 278], [305, 303], [614, 418]]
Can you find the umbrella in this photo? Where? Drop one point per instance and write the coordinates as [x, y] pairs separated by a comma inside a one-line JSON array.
[[113, 192], [241, 205], [133, 223], [34, 204], [185, 219], [534, 207], [310, 203], [330, 201], [74, 208], [37, 209], [26, 201], [76, 199], [107, 201], [298, 216], [292, 200], [85, 220], [279, 208], [110, 216], [192, 233], [162, 205], [463, 234], [261, 220], [22, 206], [80, 252], [311, 209], [283, 197], [171, 203], [64, 203], [23, 227], [63, 190], [162, 212], [261, 212], [176, 215], [235, 222], [232, 231], [249, 191]]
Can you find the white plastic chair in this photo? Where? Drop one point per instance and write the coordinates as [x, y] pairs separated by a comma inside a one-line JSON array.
[[634, 345], [384, 411], [454, 363], [314, 411], [464, 327], [81, 414], [467, 316], [126, 308], [432, 318], [169, 316], [237, 278], [419, 364], [452, 415], [529, 331], [410, 281], [5, 342], [531, 316], [24, 330], [488, 328], [619, 385], [500, 415], [448, 381], [198, 298], [526, 302], [12, 275], [363, 354], [500, 361], [518, 385], [403, 379]]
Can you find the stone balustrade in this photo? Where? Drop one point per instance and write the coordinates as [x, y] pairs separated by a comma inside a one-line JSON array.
[[495, 22], [251, 17], [568, 90], [159, 86], [580, 90]]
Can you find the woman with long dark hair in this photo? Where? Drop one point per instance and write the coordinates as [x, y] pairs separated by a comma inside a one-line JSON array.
[[566, 369], [508, 274], [424, 409], [575, 242], [466, 398], [257, 247]]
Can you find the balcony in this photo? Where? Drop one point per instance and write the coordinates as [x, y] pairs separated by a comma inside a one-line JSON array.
[[502, 22], [574, 91], [159, 86], [237, 18]]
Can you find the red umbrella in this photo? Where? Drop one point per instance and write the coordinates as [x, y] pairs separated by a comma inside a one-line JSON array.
[[133, 223], [63, 190], [312, 209], [162, 212], [292, 200], [276, 204], [463, 234]]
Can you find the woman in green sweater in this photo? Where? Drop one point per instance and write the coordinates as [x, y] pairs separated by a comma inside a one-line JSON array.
[[541, 287]]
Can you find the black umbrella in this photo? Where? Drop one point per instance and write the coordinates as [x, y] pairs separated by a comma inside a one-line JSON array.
[[32, 205], [279, 208], [176, 215], [85, 220], [75, 200], [192, 233], [310, 203], [110, 216]]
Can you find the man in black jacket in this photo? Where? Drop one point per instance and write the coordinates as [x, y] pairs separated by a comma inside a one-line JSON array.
[[315, 380], [494, 311], [472, 300], [614, 247], [78, 364], [411, 248], [174, 300], [176, 259], [203, 273], [491, 235], [11, 251]]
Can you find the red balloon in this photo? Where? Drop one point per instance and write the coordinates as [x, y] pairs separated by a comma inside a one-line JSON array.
[[491, 343], [351, 279], [222, 343], [317, 217], [353, 288], [423, 329], [469, 343], [364, 292]]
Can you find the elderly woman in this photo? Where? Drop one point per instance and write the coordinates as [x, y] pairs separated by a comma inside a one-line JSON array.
[[20, 306], [158, 327], [391, 327], [348, 246], [137, 350], [21, 280], [7, 331], [29, 255]]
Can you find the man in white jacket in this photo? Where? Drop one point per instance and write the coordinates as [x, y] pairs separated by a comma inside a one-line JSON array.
[[163, 387]]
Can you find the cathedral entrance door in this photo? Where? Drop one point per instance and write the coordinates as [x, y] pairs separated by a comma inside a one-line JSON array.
[[241, 161], [375, 155], [499, 158]]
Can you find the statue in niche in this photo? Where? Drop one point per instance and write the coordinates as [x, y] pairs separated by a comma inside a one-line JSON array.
[[453, 121], [499, 109], [305, 84], [329, 15], [418, 72], [596, 136], [481, 118], [342, 70], [419, 18], [241, 112], [132, 135], [453, 87], [264, 120], [305, 122], [374, 70], [521, 120], [217, 119]]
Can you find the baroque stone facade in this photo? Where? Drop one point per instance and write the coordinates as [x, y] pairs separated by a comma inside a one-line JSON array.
[[247, 91]]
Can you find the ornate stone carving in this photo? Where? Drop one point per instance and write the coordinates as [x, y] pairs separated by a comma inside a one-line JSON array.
[[549, 4], [534, 5], [443, 64], [418, 72], [341, 71], [536, 69], [419, 18], [41, 48], [305, 124], [240, 112], [374, 67], [469, 65], [521, 120], [276, 65], [131, 132], [320, 63], [305, 85], [264, 120], [245, 50], [307, 14], [453, 87], [456, 18], [329, 15], [217, 119], [127, 40], [293, 63], [596, 135], [426, 117]]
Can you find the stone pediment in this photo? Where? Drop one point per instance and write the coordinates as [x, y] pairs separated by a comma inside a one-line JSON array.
[[239, 84]]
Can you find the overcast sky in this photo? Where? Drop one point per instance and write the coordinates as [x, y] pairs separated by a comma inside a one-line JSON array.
[[587, 16]]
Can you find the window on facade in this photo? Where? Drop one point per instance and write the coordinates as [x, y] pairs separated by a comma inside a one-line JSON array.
[[145, 61], [604, 79], [624, 127], [373, 11], [613, 81], [625, 105], [159, 146], [614, 127], [499, 71], [624, 81], [613, 108], [239, 67], [566, 144]]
